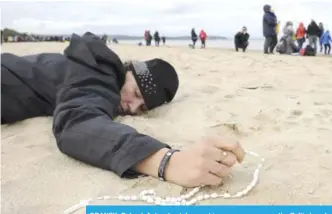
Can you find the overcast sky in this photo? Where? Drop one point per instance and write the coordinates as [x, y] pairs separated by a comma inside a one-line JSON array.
[[170, 17]]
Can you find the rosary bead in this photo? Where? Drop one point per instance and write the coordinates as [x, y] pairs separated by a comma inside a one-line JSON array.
[[144, 192], [196, 190], [199, 198], [214, 195], [226, 195], [238, 195]]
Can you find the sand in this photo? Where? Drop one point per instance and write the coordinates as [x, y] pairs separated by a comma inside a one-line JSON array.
[[277, 106]]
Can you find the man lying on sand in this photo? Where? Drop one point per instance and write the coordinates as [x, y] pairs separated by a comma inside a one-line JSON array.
[[88, 86]]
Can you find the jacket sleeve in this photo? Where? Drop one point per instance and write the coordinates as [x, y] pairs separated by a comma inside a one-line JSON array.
[[236, 37], [247, 38], [84, 129]]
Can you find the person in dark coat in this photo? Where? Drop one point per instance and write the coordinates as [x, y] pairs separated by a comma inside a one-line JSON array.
[[85, 89], [322, 31], [149, 38], [193, 37], [156, 38], [241, 40], [163, 38], [313, 34], [269, 29]]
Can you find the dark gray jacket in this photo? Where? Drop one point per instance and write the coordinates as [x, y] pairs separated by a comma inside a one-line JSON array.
[[81, 89]]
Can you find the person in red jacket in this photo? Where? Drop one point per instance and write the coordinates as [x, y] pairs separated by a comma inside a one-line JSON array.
[[202, 36], [300, 35]]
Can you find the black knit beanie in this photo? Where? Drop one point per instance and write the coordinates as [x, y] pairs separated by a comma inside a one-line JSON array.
[[156, 79]]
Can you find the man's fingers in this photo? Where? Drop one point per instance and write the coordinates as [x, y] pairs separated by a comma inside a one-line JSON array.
[[225, 157], [229, 160], [230, 147], [219, 169], [213, 180]]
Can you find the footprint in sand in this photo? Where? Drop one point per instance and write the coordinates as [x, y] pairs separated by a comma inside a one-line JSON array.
[[294, 116], [295, 113], [229, 96], [326, 113], [209, 89]]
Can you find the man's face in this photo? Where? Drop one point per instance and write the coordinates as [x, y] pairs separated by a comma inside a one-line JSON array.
[[132, 102]]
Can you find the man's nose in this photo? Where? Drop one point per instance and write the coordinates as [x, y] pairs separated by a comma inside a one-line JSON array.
[[135, 107]]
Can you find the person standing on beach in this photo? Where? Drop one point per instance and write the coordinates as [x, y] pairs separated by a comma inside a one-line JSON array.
[[149, 37], [269, 29], [202, 36], [241, 39], [313, 34], [193, 37], [321, 27], [326, 41], [146, 37], [300, 35], [163, 38], [85, 89], [156, 38], [277, 30]]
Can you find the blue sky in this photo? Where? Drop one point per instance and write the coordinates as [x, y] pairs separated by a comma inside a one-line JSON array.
[[170, 17]]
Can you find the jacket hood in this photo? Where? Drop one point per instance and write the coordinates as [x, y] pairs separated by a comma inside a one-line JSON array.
[[301, 25], [267, 8], [92, 52]]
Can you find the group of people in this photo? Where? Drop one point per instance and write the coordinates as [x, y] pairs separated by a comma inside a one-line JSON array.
[[32, 38], [287, 44], [156, 37], [194, 38]]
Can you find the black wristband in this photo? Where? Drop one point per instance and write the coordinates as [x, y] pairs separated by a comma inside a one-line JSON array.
[[163, 163]]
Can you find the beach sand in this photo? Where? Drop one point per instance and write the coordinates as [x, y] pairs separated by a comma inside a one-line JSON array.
[[277, 106]]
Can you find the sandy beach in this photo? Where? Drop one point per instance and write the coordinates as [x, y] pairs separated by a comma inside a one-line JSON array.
[[277, 106]]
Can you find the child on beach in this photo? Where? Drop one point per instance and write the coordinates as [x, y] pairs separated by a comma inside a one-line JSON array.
[[326, 40], [300, 35]]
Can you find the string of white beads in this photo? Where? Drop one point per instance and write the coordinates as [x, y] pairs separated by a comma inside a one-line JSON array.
[[150, 197]]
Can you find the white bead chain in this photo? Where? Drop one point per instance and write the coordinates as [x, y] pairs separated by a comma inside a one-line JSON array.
[[150, 197]]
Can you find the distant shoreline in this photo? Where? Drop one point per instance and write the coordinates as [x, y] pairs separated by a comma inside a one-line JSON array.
[[12, 32]]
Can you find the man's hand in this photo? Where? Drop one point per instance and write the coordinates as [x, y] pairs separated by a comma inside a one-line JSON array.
[[205, 163]]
